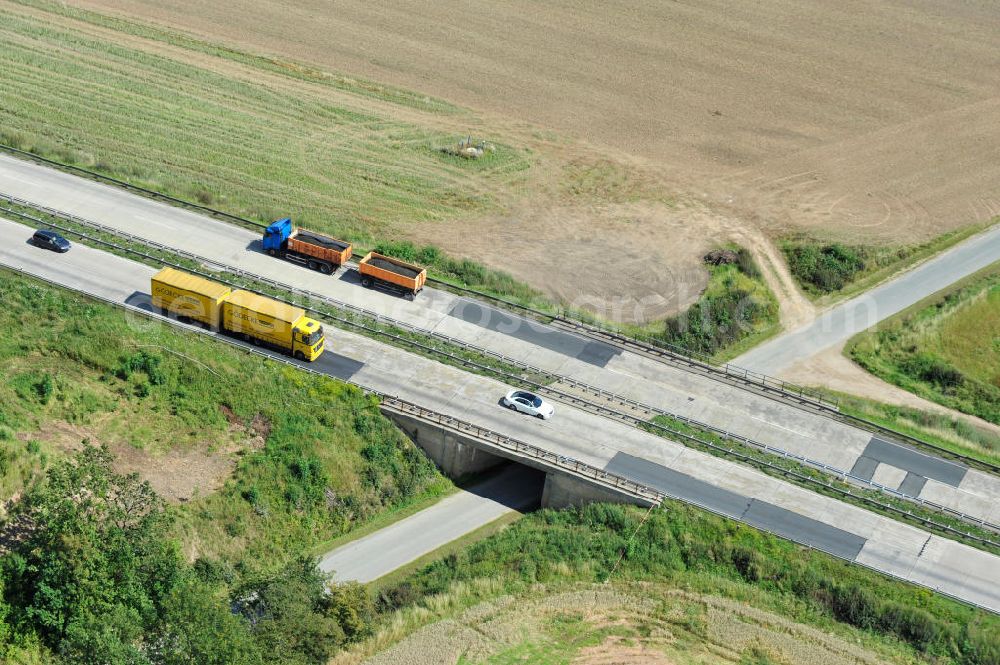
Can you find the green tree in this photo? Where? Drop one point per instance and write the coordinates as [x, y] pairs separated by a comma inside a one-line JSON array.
[[196, 628], [296, 620], [97, 581]]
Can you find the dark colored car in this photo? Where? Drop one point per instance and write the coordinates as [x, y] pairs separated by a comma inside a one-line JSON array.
[[50, 240]]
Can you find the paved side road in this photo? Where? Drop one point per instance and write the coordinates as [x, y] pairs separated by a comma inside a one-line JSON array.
[[672, 389], [727, 488], [515, 488], [845, 320]]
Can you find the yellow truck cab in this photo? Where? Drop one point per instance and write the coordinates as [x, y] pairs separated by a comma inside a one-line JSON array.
[[261, 320], [310, 338]]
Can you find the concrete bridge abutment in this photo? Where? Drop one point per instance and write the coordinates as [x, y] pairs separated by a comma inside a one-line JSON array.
[[459, 455], [454, 454], [563, 491]]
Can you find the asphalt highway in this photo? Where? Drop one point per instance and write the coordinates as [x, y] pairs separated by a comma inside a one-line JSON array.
[[729, 488], [673, 389], [840, 323]]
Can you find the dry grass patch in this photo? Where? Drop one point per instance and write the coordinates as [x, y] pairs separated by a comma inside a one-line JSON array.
[[647, 624]]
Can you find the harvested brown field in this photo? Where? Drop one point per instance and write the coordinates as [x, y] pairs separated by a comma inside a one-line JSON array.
[[876, 120], [602, 625]]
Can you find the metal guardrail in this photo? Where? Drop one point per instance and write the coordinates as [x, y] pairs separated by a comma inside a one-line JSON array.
[[651, 345], [584, 387], [520, 448], [656, 347], [662, 349], [149, 193], [567, 464], [755, 378]]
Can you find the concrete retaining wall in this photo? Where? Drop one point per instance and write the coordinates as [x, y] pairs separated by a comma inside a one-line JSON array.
[[562, 491], [454, 454]]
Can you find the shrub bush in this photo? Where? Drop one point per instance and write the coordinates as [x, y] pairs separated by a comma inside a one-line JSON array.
[[927, 367], [824, 268]]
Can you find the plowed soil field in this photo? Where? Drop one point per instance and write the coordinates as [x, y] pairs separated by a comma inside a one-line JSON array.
[[869, 120]]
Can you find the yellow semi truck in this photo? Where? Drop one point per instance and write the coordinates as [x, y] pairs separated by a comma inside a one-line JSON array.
[[255, 318]]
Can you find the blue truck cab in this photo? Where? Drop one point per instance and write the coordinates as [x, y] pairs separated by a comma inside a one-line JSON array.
[[276, 235]]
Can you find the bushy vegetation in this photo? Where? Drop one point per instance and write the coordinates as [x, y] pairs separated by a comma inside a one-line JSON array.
[[313, 456], [736, 308], [944, 348], [825, 268], [94, 577], [833, 268], [689, 548]]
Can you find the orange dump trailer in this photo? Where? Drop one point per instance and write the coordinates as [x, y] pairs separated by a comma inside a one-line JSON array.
[[399, 275], [323, 248]]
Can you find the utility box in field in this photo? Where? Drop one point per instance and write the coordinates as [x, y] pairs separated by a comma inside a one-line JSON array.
[[276, 324], [377, 268], [315, 250], [189, 296]]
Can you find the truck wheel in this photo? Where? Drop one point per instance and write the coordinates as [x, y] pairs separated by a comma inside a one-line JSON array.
[[272, 252], [299, 355], [367, 282], [325, 268], [411, 295], [313, 265]]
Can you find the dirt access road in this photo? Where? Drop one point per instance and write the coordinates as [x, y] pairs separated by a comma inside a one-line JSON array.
[[873, 120]]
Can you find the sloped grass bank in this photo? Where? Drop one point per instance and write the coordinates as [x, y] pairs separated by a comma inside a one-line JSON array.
[[945, 348], [311, 457], [685, 548]]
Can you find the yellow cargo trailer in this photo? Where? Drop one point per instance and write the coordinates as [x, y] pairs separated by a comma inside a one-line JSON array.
[[189, 296], [255, 318], [273, 323]]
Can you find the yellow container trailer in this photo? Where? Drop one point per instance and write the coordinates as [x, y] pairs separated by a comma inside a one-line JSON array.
[[189, 296], [276, 324], [255, 318]]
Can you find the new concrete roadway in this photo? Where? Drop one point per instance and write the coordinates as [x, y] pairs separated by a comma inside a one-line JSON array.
[[629, 375], [514, 488], [840, 323], [728, 488]]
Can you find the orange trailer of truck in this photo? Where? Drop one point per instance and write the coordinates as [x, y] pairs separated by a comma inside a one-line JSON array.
[[398, 275]]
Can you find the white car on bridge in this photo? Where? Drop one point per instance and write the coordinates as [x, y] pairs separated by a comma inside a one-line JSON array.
[[530, 403]]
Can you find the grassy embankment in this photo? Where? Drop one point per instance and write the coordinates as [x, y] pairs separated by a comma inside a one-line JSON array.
[[307, 458], [736, 312], [260, 462], [831, 271], [680, 548], [945, 348]]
